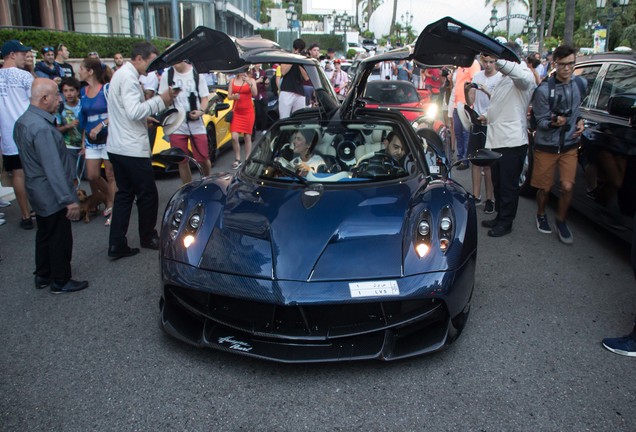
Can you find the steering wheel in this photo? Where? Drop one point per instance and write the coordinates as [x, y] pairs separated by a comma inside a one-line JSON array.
[[285, 163], [374, 165]]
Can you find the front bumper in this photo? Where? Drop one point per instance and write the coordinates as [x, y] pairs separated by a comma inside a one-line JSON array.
[[418, 321]]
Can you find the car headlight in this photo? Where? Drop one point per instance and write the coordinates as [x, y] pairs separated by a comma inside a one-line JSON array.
[[446, 228], [422, 240], [195, 220], [431, 111]]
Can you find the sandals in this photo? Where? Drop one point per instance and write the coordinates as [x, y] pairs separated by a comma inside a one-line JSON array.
[[236, 164], [108, 211], [107, 223]]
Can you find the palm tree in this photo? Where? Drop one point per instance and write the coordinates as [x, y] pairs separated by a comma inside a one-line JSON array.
[[568, 31]]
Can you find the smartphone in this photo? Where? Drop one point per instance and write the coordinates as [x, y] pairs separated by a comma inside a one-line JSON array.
[[474, 85]]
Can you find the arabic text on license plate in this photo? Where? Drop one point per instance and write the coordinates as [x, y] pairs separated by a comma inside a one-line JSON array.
[[374, 289]]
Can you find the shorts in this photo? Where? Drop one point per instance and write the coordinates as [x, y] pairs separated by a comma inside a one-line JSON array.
[[476, 139], [11, 162], [546, 163], [199, 144], [96, 153]]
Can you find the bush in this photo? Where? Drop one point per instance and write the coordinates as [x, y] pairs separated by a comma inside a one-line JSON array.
[[79, 44]]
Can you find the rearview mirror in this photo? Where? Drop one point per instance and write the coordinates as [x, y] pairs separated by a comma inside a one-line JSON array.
[[220, 107], [481, 158]]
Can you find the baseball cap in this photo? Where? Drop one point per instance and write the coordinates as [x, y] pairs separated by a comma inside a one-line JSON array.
[[330, 50], [13, 46], [337, 61]]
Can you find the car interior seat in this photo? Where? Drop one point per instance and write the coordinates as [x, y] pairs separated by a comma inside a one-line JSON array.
[[372, 146]]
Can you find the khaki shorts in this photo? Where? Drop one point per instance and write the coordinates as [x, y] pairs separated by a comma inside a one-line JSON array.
[[545, 165]]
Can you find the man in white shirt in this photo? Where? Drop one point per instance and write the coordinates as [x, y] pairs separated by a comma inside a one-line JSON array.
[[191, 98], [15, 91], [508, 135], [129, 152]]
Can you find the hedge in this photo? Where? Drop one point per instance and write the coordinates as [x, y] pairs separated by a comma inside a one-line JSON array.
[[79, 44]]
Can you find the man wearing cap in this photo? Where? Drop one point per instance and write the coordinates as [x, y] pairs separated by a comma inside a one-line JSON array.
[[129, 152], [15, 91]]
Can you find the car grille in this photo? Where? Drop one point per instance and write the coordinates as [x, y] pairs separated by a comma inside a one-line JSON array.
[[307, 322]]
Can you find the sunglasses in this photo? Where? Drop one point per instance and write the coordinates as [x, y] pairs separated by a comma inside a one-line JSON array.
[[47, 49], [93, 53]]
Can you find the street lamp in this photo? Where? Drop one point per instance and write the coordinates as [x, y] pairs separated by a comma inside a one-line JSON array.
[[610, 15], [493, 20], [406, 19], [221, 7], [291, 15]]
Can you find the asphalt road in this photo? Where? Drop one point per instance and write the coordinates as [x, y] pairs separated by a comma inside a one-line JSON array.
[[529, 359]]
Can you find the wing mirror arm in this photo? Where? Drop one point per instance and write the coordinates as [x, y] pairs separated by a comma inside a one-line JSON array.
[[482, 157], [176, 155]]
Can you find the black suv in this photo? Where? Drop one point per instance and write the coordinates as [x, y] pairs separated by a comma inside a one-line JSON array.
[[605, 189]]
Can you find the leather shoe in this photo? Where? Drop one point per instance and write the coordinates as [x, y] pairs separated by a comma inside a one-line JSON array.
[[68, 286], [491, 223], [122, 252], [42, 282], [499, 231], [153, 243]]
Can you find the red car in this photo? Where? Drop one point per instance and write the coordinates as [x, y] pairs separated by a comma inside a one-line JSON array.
[[396, 94]]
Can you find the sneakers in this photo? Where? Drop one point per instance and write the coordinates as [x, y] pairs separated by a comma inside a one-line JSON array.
[[564, 233], [542, 224], [4, 203], [489, 207], [478, 201], [26, 224], [625, 345]]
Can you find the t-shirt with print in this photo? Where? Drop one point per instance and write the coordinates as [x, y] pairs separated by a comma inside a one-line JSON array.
[[183, 99], [73, 136], [15, 91]]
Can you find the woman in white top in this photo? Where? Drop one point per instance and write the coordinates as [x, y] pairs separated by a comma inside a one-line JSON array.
[[339, 79], [303, 142]]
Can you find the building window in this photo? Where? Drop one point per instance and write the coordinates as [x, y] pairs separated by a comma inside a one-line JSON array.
[[67, 14], [191, 16]]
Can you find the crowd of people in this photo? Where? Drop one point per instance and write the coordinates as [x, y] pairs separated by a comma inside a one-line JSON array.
[[55, 122]]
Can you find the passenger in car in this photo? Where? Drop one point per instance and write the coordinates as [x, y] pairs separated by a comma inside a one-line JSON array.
[[303, 144]]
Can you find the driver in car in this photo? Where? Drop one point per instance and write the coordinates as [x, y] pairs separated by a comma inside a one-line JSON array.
[[303, 143], [394, 147]]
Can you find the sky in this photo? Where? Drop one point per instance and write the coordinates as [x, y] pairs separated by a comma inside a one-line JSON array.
[[471, 12]]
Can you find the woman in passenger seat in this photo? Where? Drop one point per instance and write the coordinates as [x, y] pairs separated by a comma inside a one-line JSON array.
[[303, 143]]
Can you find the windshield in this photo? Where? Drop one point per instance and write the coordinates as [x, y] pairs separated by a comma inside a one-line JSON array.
[[332, 152], [391, 92]]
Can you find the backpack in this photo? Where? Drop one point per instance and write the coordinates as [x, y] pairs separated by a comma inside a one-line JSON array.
[[195, 74], [551, 95]]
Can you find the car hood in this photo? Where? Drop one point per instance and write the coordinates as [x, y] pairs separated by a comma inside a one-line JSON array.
[[267, 232]]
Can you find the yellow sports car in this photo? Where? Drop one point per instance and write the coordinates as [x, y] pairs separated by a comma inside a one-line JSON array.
[[218, 131]]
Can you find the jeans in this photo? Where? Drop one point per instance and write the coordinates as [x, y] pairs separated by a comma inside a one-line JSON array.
[[461, 136]]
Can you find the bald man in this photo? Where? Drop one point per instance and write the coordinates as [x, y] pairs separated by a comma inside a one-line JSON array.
[[49, 173]]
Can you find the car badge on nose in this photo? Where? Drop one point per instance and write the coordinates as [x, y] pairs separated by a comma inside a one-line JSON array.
[[312, 195]]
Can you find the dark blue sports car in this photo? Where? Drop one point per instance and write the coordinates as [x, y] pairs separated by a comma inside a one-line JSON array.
[[342, 237]]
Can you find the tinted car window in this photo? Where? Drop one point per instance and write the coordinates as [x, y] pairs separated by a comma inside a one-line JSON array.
[[589, 73], [620, 78], [391, 92]]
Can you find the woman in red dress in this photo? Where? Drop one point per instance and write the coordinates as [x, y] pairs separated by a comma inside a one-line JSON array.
[[241, 90]]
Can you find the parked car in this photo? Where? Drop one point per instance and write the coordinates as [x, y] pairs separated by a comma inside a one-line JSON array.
[[365, 254], [605, 189], [395, 94]]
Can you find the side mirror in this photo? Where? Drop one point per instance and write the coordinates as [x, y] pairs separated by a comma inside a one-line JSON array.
[[220, 107], [482, 157], [176, 155], [623, 105]]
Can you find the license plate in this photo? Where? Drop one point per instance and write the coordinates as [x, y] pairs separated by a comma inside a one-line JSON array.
[[374, 289]]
